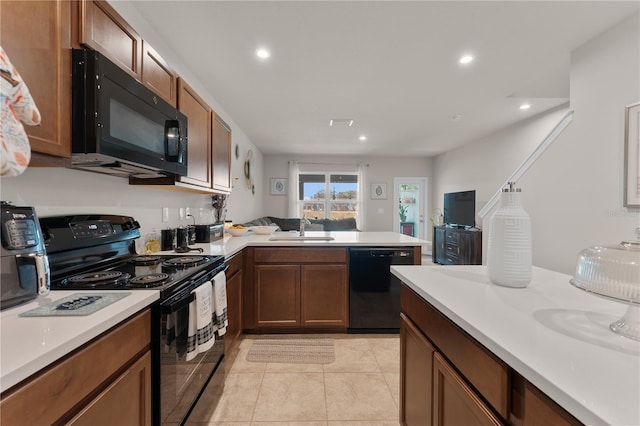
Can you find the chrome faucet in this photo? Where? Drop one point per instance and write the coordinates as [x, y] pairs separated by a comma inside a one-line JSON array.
[[302, 227]]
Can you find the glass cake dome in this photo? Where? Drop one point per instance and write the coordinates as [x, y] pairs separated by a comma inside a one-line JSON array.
[[613, 272]]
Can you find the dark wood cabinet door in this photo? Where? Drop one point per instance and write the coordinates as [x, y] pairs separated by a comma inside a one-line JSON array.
[[234, 311], [324, 291], [103, 29], [277, 293], [221, 147], [157, 75], [454, 402], [127, 401], [37, 37], [416, 375], [438, 245], [199, 135]]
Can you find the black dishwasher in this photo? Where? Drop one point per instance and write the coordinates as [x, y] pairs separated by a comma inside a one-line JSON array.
[[374, 293]]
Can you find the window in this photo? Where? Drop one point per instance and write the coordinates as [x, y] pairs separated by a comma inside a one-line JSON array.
[[341, 202]]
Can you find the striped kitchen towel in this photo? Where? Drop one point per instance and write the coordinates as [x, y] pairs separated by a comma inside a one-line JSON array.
[[200, 336], [220, 318]]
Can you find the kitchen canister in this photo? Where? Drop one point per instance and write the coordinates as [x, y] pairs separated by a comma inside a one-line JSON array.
[[510, 255]]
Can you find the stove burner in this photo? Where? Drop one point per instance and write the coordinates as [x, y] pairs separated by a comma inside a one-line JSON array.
[[97, 279], [185, 261], [149, 280], [145, 260]]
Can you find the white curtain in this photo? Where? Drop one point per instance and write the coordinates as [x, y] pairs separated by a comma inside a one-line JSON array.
[[361, 209], [294, 195]]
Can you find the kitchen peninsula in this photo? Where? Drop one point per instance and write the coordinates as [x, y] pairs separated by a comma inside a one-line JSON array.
[[545, 350]]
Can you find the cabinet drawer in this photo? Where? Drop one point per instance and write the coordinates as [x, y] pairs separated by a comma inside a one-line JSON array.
[[298, 255], [452, 238], [59, 389], [235, 264], [486, 373]]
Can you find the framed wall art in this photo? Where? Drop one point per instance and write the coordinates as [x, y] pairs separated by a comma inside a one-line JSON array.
[[378, 191], [278, 186], [632, 156]]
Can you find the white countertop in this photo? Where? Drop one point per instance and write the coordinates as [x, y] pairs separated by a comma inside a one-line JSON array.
[[29, 344], [230, 245], [553, 334]]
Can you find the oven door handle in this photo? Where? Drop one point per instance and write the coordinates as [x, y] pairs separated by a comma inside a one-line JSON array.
[[177, 302], [185, 297]]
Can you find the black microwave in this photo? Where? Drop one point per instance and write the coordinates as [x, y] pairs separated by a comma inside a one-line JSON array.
[[119, 126]]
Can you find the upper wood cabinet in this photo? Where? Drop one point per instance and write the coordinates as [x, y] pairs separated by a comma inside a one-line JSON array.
[[157, 75], [37, 36], [199, 134], [103, 29], [221, 155]]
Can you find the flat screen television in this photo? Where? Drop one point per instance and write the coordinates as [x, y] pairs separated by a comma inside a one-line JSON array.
[[460, 209]]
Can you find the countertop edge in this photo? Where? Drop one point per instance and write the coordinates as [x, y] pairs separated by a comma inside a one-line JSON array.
[[114, 314]]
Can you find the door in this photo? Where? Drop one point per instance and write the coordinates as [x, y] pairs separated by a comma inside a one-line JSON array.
[[410, 195]]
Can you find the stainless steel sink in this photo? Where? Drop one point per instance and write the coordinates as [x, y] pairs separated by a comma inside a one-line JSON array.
[[299, 238]]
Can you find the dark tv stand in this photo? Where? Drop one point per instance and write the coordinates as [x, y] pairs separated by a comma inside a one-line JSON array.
[[457, 246]]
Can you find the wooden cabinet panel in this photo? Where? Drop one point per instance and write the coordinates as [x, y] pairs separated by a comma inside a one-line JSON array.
[[127, 401], [324, 293], [58, 392], [37, 37], [103, 29], [199, 134], [486, 373], [416, 375], [221, 146], [234, 302], [277, 295], [298, 255], [157, 75], [454, 403], [438, 245]]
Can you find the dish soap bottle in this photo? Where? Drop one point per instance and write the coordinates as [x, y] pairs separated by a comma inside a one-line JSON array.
[[509, 256]]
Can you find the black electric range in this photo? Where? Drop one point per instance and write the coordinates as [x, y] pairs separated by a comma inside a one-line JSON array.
[[97, 252]]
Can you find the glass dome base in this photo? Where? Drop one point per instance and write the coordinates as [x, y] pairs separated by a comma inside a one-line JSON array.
[[629, 325]]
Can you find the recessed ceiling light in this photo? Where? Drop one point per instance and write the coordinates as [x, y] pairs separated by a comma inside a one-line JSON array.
[[465, 59], [363, 138], [525, 106], [341, 122], [263, 53]]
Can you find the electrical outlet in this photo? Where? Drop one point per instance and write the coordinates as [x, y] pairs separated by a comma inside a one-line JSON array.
[[181, 213], [165, 214], [187, 211], [380, 211]]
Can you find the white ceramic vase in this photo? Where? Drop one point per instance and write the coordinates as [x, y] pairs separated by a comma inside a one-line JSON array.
[[509, 256]]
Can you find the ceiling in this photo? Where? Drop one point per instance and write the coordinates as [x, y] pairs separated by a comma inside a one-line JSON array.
[[391, 66]]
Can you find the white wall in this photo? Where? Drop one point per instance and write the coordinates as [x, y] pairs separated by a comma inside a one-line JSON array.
[[380, 170], [63, 191], [574, 191]]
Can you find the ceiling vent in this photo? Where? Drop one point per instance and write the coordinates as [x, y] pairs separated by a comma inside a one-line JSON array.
[[341, 122]]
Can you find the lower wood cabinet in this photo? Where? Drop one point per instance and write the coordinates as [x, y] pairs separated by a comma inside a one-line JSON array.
[[454, 402], [106, 382], [234, 301], [296, 289], [449, 378]]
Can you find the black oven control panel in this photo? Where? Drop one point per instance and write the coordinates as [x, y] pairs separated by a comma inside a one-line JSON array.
[[92, 229]]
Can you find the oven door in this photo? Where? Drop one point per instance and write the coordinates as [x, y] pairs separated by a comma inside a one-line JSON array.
[[181, 380]]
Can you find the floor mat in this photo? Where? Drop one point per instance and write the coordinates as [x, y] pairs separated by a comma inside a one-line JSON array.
[[300, 349]]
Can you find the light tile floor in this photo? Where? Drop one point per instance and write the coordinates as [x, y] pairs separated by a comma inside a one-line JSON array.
[[360, 388]]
